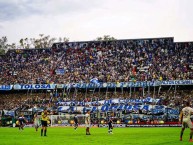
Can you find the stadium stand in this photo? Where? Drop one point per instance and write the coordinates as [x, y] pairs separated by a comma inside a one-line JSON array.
[[100, 62]]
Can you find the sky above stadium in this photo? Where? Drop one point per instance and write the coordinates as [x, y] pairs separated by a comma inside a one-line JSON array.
[[82, 20]]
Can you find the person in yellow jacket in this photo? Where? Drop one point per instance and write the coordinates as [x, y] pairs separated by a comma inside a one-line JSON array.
[[44, 120]]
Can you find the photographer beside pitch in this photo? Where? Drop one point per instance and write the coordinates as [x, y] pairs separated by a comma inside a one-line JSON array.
[[185, 114]]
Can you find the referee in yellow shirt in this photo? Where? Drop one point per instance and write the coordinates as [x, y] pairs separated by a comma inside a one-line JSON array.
[[44, 119]]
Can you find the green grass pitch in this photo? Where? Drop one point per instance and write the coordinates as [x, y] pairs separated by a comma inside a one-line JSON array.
[[99, 136]]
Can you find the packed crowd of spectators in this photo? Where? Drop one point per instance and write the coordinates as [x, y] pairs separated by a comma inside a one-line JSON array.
[[14, 101], [25, 101], [109, 61], [36, 101]]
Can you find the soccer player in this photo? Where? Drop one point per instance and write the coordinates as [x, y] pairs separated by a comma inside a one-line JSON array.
[[186, 121], [75, 122], [21, 121], [36, 121], [110, 125], [44, 119], [87, 122]]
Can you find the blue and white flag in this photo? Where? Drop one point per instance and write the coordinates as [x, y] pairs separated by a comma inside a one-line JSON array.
[[60, 71], [95, 81]]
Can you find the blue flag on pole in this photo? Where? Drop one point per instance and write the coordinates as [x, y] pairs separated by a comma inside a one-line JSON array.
[[95, 81]]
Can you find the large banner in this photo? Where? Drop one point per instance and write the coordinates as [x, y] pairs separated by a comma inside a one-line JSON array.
[[141, 125], [97, 85], [34, 86], [128, 84], [153, 125], [114, 125], [177, 82], [6, 87]]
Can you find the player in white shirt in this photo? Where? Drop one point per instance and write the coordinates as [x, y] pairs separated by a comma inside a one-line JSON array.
[[87, 122], [185, 120], [36, 121]]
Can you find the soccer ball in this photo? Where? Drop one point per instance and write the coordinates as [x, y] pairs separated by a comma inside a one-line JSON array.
[[130, 122], [71, 122], [17, 122], [161, 122]]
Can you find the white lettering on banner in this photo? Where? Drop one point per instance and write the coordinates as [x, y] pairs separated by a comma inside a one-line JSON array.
[[34, 86], [109, 114], [37, 86], [177, 82], [6, 87], [93, 115], [154, 125], [27, 112], [68, 125], [60, 86], [102, 115], [114, 125], [41, 86], [118, 114]]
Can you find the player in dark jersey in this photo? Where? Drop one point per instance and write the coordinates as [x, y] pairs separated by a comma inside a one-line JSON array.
[[21, 121], [75, 122], [44, 119], [110, 124]]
